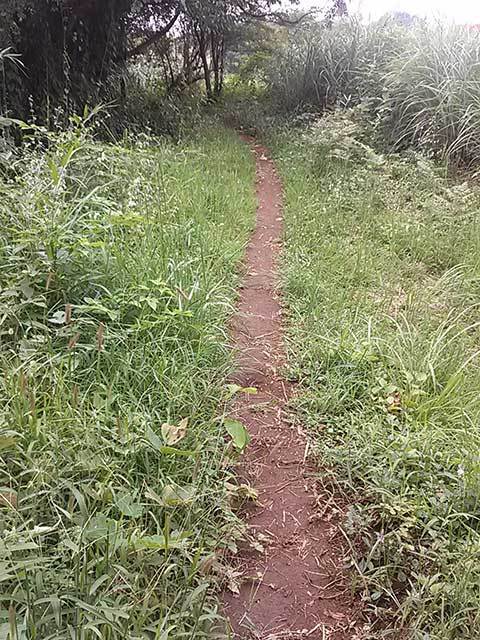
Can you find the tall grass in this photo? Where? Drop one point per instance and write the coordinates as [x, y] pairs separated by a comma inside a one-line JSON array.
[[117, 271], [319, 67], [432, 96], [382, 277], [419, 83]]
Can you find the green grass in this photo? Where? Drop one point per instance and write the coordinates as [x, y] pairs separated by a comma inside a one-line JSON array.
[[118, 272], [419, 85], [382, 279]]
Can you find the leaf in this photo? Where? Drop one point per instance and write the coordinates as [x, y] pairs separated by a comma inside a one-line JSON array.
[[173, 495], [5, 122], [233, 389], [150, 494], [171, 451], [238, 433], [243, 491], [231, 577], [158, 445], [258, 546], [26, 288], [152, 303], [101, 529], [438, 587], [173, 434], [98, 582], [153, 439], [127, 505], [6, 442], [18, 546], [58, 317], [178, 540], [55, 174], [95, 306]]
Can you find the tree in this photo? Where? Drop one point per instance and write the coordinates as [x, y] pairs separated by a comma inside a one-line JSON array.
[[71, 49]]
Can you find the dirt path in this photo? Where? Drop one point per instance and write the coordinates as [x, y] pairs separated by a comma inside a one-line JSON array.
[[295, 588]]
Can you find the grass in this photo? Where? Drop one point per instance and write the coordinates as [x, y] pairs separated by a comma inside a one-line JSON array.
[[419, 84], [382, 278], [117, 271]]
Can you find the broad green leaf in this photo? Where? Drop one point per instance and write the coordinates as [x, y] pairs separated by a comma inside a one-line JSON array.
[[153, 439], [173, 495], [238, 433], [26, 288], [95, 306], [178, 540], [101, 529], [157, 444], [127, 505]]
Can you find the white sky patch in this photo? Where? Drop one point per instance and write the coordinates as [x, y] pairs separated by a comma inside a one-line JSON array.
[[459, 11]]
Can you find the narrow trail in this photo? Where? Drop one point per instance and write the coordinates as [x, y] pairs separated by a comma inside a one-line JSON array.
[[296, 588]]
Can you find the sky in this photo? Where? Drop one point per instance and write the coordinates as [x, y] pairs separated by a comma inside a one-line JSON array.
[[459, 11]]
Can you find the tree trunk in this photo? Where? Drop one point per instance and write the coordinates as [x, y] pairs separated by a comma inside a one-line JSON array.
[[203, 50], [218, 56]]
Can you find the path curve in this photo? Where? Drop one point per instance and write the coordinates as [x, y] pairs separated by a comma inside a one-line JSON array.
[[295, 587]]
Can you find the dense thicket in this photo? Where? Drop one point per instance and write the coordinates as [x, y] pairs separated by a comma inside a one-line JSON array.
[[68, 52]]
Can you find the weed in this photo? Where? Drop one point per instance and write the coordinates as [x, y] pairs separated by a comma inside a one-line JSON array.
[[117, 270], [381, 275]]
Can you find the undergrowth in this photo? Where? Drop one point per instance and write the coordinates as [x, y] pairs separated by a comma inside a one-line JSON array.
[[117, 271], [382, 278]]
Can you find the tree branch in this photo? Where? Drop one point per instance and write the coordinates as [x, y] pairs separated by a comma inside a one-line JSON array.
[[155, 37], [279, 18], [284, 21]]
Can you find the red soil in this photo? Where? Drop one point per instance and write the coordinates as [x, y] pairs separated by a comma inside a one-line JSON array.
[[297, 586]]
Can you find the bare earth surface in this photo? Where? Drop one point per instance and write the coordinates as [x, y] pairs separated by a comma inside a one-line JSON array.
[[296, 586]]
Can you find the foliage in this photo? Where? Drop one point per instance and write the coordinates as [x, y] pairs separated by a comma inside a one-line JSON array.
[[72, 50], [432, 98], [150, 108], [382, 275], [75, 52], [321, 67], [116, 270], [69, 50], [419, 83]]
